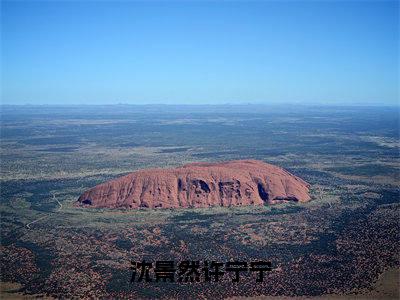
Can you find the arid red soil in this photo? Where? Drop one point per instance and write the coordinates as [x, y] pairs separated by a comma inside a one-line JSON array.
[[232, 183]]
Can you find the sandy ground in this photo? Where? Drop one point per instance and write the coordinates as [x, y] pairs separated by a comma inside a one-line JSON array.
[[387, 287], [7, 291]]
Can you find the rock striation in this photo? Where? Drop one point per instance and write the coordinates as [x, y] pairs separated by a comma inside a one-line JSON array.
[[231, 183]]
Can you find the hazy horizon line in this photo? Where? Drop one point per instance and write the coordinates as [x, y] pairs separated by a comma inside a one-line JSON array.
[[211, 104]]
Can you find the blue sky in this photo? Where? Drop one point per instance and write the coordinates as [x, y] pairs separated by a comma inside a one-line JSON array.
[[317, 52]]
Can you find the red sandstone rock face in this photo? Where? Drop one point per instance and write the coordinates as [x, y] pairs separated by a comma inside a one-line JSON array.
[[232, 183]]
